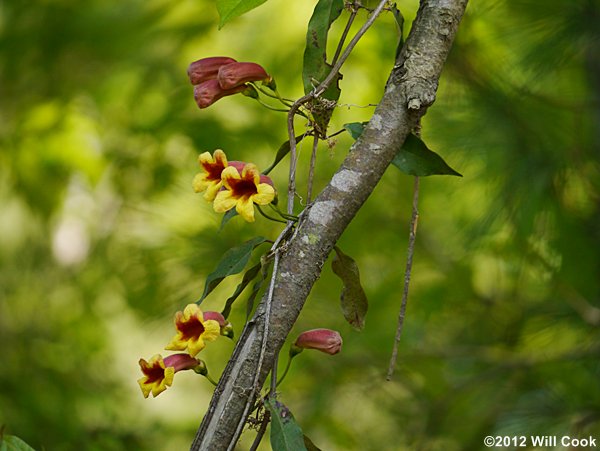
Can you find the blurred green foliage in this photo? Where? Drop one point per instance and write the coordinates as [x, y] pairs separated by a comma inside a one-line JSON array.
[[102, 238]]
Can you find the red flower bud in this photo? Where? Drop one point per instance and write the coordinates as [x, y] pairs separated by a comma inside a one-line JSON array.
[[180, 362], [207, 68], [236, 74], [208, 92], [324, 340]]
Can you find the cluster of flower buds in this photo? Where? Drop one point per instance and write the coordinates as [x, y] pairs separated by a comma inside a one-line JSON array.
[[230, 184], [220, 76], [194, 329]]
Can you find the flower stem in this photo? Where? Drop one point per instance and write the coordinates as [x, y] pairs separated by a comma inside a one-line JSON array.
[[287, 368], [266, 105], [210, 379], [267, 216], [286, 102], [284, 215]]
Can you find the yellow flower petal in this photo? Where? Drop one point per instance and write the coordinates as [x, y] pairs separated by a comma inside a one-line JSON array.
[[200, 183], [245, 208], [265, 194], [220, 157], [212, 190], [197, 344], [146, 388], [191, 310], [224, 201], [205, 158], [250, 172], [160, 386], [177, 344]]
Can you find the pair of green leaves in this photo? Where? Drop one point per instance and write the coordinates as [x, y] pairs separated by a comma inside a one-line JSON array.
[[233, 262], [414, 157]]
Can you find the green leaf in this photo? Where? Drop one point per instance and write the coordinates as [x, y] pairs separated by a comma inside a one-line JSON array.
[[355, 129], [227, 217], [233, 262], [248, 277], [316, 68], [13, 443], [310, 446], [283, 150], [230, 9], [353, 297], [286, 435], [415, 158]]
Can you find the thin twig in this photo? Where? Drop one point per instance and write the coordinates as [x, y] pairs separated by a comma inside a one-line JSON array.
[[273, 387], [409, 260], [265, 334], [340, 45], [311, 168], [287, 368], [316, 93]]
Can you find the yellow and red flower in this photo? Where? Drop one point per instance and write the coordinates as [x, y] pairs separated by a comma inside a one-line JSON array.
[[159, 372], [210, 179], [243, 189], [193, 330]]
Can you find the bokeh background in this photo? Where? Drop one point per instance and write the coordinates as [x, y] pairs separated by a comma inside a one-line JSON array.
[[102, 238]]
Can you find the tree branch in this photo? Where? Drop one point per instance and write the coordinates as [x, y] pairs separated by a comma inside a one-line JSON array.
[[410, 90]]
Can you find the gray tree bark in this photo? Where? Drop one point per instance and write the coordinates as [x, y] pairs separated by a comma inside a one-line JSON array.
[[410, 90]]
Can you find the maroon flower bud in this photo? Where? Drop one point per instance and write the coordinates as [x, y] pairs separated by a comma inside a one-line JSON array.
[[208, 92], [180, 361], [324, 340], [236, 74], [207, 68]]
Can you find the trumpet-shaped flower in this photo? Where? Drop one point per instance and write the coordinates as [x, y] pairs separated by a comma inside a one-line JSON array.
[[243, 190], [210, 179], [159, 372], [193, 330]]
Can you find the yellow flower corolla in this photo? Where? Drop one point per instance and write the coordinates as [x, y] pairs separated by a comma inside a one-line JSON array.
[[193, 330], [243, 190], [159, 372]]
